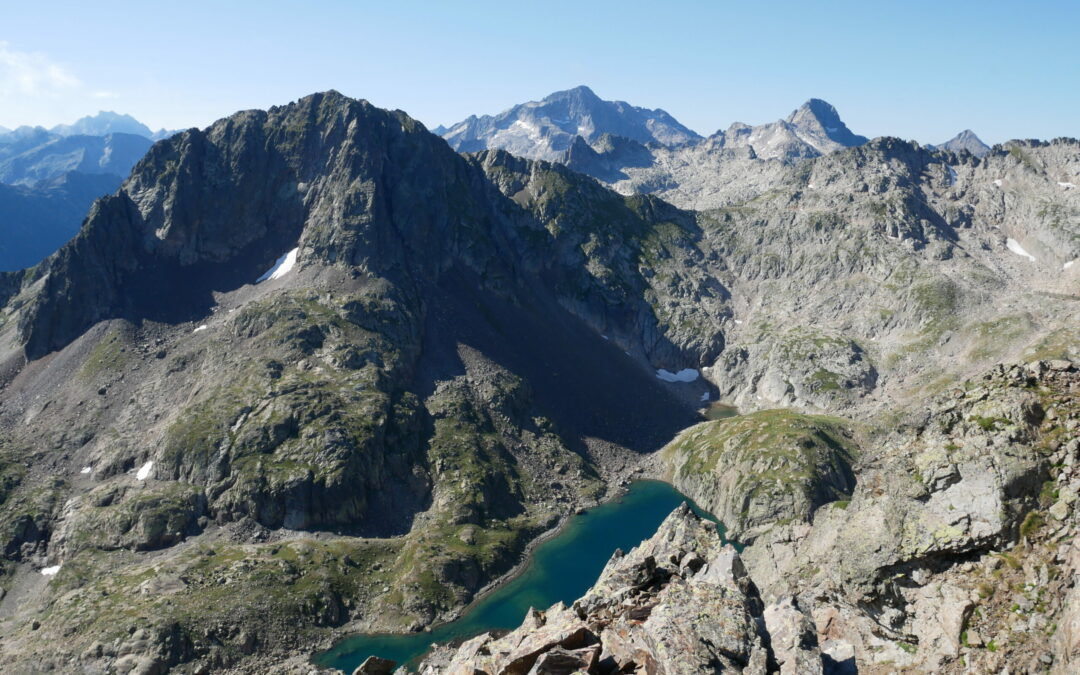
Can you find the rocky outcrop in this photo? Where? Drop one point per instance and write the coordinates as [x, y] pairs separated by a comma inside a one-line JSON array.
[[681, 602], [762, 469], [949, 541]]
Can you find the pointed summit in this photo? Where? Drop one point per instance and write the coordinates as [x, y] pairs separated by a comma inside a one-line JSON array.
[[817, 118], [813, 129], [966, 140]]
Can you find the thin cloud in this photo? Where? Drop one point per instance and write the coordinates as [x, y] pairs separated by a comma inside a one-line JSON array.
[[33, 74]]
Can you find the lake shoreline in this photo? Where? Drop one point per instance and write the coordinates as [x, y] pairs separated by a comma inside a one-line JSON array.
[[526, 559], [500, 605]]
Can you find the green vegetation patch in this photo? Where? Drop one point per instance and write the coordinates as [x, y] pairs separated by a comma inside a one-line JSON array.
[[784, 438], [108, 356]]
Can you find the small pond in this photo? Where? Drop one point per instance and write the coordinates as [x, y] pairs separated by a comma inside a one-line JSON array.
[[719, 411]]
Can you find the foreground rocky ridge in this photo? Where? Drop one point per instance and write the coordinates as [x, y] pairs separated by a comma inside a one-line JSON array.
[[954, 550], [681, 602], [955, 553]]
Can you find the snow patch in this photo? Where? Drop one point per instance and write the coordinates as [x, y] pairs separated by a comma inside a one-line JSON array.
[[1016, 248], [144, 471], [952, 175], [1068, 264], [739, 322], [86, 469], [50, 571], [202, 327], [684, 375], [282, 267], [1067, 186], [705, 396], [531, 130], [832, 130], [997, 182]]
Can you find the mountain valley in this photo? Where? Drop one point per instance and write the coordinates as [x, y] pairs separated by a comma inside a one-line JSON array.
[[315, 370]]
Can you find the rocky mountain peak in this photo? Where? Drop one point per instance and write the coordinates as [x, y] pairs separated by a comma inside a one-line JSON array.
[[103, 123], [546, 129], [580, 93], [966, 140], [338, 171], [819, 118]]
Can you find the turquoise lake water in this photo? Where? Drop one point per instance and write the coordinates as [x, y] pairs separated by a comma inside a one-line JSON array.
[[560, 569]]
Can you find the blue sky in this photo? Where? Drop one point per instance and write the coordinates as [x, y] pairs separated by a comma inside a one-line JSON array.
[[920, 70]]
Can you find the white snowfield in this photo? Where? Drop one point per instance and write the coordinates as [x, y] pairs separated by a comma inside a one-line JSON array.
[[144, 471], [705, 396], [684, 375], [1068, 264], [1016, 248], [282, 267], [50, 571], [86, 469], [202, 327], [1067, 186]]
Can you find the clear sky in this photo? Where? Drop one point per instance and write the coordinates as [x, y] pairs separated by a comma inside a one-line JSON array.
[[916, 69]]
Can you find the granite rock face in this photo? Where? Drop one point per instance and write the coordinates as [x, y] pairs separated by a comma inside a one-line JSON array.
[[949, 543], [756, 470], [681, 602]]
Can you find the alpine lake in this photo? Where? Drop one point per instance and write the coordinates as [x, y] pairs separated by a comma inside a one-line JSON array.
[[560, 569]]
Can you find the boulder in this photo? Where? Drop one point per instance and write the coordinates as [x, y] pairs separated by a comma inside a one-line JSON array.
[[375, 665]]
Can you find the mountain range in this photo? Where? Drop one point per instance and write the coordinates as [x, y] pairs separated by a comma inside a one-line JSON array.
[[636, 151], [104, 123], [59, 173], [630, 148], [311, 371]]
